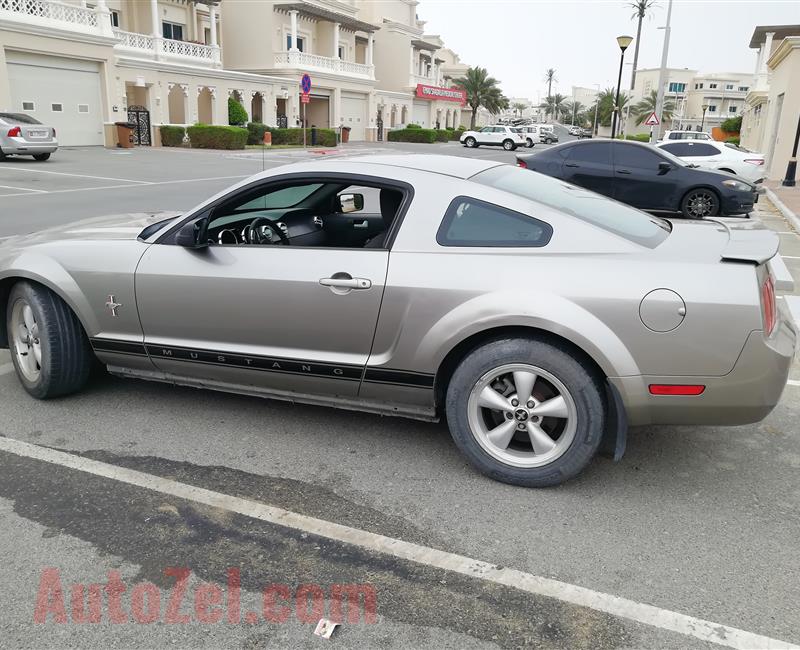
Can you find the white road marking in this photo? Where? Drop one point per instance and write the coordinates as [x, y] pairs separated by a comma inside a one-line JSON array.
[[793, 382], [45, 171], [621, 607], [787, 233], [790, 257], [6, 368], [24, 189], [140, 183]]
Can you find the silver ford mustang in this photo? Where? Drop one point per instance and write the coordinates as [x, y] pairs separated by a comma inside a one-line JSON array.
[[537, 318]]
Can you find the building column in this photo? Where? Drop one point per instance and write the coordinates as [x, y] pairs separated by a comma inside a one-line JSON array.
[[212, 17], [155, 28], [193, 35], [103, 18], [293, 15], [335, 54], [411, 70], [336, 108], [765, 56], [370, 47]]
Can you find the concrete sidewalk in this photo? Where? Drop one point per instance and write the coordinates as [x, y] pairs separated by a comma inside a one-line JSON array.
[[787, 200]]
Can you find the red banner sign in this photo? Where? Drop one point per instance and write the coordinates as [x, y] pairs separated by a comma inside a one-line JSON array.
[[443, 94]]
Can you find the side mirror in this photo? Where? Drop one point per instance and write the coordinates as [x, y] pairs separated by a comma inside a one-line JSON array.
[[663, 168], [351, 202], [193, 235]]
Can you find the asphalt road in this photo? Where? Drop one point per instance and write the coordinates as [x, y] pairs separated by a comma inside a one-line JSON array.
[[700, 521]]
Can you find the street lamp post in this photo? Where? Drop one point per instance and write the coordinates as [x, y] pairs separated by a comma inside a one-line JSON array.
[[791, 168], [703, 121], [596, 105], [623, 42]]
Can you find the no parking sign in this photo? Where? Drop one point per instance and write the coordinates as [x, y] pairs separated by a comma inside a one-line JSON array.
[[305, 84]]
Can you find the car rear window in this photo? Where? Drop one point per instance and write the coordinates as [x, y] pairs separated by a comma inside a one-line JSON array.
[[20, 118], [612, 216]]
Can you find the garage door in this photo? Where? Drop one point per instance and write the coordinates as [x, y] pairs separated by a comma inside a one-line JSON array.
[[62, 93], [422, 111], [354, 114]]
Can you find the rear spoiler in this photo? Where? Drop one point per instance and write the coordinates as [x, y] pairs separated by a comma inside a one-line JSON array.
[[756, 244]]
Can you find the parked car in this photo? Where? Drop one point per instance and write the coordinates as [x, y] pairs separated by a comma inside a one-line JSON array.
[[23, 135], [586, 133], [575, 130], [548, 136], [283, 286], [723, 156], [497, 134], [686, 135], [645, 177]]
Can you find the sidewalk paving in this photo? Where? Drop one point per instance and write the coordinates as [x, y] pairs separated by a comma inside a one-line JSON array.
[[787, 200]]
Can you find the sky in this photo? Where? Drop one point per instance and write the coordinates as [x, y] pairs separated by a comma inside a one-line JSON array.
[[517, 40]]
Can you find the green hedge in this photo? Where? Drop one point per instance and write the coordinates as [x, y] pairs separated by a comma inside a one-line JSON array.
[[205, 136], [457, 133], [413, 126], [734, 140], [413, 135], [255, 132], [172, 136], [443, 135], [732, 124], [637, 137], [325, 137], [237, 116]]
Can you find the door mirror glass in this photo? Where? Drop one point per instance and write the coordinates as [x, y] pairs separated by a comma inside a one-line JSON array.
[[351, 203], [193, 235]]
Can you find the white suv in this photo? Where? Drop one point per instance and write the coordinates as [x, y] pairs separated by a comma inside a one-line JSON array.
[[507, 137], [685, 135]]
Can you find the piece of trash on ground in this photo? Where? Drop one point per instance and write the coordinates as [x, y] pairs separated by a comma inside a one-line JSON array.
[[325, 628]]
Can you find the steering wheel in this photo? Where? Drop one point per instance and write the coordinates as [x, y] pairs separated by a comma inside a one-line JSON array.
[[254, 234]]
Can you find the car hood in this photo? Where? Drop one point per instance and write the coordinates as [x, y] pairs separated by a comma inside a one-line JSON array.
[[116, 226]]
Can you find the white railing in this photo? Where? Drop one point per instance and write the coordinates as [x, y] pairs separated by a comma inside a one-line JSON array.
[[49, 10], [419, 79], [184, 48], [134, 41], [304, 60]]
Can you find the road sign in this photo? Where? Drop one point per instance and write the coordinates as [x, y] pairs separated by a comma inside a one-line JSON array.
[[305, 98], [305, 84], [652, 120]]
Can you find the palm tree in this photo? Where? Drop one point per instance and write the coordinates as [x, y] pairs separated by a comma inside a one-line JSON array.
[[640, 7], [644, 108], [482, 90], [605, 108], [519, 107], [554, 105], [550, 77], [573, 109]]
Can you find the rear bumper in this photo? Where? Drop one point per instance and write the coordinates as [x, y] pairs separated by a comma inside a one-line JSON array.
[[745, 395], [22, 147]]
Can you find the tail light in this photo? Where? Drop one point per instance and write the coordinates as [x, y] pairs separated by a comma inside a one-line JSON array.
[[677, 389], [522, 163], [14, 132], [754, 161], [54, 133], [769, 307]]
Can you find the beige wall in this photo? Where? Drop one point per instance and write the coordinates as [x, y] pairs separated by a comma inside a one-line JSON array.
[[392, 59], [785, 82]]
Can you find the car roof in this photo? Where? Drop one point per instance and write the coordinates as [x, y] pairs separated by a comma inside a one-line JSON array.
[[435, 163]]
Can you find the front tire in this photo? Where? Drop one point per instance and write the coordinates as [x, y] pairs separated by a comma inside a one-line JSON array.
[[529, 143], [525, 412], [699, 203], [49, 348], [41, 157], [508, 145]]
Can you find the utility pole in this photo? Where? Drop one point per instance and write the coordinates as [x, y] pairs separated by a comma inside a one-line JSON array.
[[662, 75]]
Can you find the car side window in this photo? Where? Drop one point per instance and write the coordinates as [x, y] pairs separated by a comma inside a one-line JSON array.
[[679, 148], [486, 129], [637, 156], [471, 222], [702, 149], [598, 153]]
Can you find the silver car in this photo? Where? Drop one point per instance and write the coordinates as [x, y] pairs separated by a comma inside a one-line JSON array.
[[537, 318], [23, 135]]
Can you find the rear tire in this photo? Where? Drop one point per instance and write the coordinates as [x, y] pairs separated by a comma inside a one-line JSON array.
[[508, 145], [561, 410], [41, 157], [49, 348], [699, 203], [2, 156], [529, 143]]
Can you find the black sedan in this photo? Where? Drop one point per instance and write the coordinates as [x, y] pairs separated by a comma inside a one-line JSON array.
[[645, 177]]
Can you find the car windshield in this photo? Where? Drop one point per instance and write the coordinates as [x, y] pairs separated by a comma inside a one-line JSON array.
[[618, 218], [19, 118]]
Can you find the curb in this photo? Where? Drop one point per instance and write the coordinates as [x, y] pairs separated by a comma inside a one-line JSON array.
[[784, 210]]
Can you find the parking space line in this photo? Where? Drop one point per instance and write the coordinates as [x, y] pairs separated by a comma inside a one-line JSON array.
[[621, 607], [45, 171], [6, 368], [793, 382], [112, 187], [24, 189]]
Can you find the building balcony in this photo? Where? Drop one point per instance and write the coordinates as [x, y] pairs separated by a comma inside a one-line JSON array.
[[166, 49], [41, 15], [416, 79], [296, 60]]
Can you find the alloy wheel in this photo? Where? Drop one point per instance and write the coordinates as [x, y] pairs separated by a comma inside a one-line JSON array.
[[522, 415], [701, 203], [27, 343]]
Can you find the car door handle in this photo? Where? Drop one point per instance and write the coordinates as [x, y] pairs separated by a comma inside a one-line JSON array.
[[361, 224], [624, 171], [346, 283], [571, 165]]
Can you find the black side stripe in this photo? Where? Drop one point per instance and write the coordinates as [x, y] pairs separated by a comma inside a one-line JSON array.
[[282, 365]]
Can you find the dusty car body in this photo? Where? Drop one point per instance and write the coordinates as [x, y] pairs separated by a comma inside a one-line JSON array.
[[540, 322]]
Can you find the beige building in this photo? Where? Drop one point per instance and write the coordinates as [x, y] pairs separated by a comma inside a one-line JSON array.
[[772, 109], [81, 67]]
